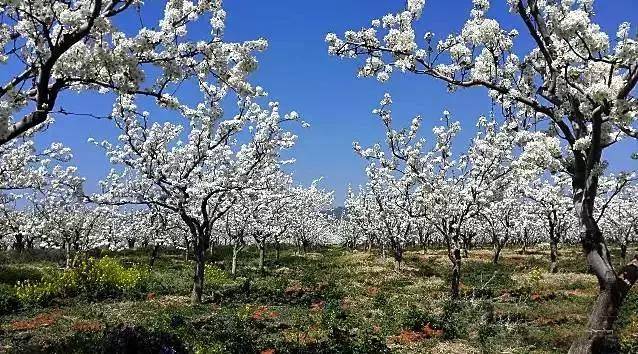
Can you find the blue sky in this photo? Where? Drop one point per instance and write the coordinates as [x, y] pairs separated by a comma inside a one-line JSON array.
[[297, 71]]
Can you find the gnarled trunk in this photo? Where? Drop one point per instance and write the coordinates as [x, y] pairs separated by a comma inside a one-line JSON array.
[[599, 336], [198, 277]]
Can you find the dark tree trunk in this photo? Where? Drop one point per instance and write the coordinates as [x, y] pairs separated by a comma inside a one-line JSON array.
[[18, 245], [398, 259], [304, 246], [277, 251], [623, 251], [455, 257], [154, 256], [599, 336], [131, 243], [422, 242], [497, 253], [553, 254], [198, 278]]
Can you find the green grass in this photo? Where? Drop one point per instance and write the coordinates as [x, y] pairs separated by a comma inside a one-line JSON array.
[[331, 301]]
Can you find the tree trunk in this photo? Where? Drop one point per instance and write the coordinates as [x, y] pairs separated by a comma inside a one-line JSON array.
[[398, 259], [187, 248], [233, 268], [455, 257], [553, 267], [18, 245], [623, 252], [383, 251], [262, 256], [599, 336], [154, 255], [277, 251], [198, 278], [67, 252], [497, 254], [422, 242]]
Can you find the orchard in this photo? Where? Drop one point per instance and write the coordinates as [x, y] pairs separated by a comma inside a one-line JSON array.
[[154, 197]]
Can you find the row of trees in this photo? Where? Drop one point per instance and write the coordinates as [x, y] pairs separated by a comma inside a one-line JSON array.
[[570, 97], [50, 210], [205, 166], [417, 196]]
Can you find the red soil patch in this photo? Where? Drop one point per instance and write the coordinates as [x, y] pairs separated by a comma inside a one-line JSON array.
[[41, 320], [263, 313], [87, 326], [410, 336], [317, 305]]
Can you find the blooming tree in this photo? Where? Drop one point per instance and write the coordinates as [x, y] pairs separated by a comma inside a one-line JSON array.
[[307, 218], [552, 205], [617, 209], [61, 46]]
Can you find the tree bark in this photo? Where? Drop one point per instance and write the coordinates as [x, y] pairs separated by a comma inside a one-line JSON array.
[[277, 251], [262, 256], [598, 336], [623, 252], [154, 256], [456, 273], [67, 250], [18, 245], [198, 278], [398, 259], [497, 254], [553, 254], [233, 268]]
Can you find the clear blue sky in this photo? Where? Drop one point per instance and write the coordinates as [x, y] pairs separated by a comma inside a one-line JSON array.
[[297, 71]]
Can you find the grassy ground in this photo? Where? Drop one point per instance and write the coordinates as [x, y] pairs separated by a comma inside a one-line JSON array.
[[331, 301]]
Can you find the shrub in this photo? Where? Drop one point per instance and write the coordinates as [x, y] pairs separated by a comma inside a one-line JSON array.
[[13, 274], [106, 277], [8, 300], [53, 284], [101, 278], [215, 277], [534, 277]]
